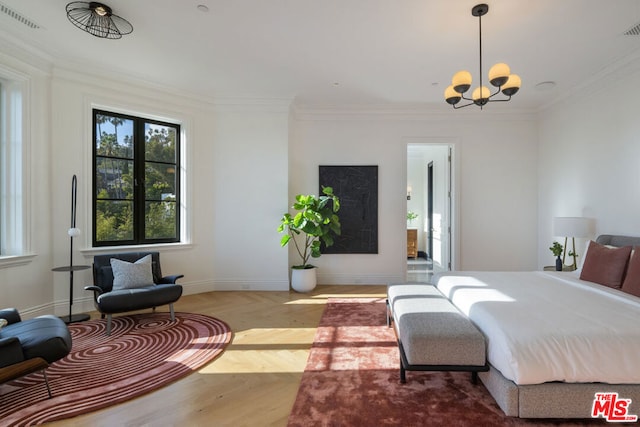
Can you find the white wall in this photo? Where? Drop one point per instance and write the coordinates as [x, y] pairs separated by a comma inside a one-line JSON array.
[[237, 157], [496, 186], [236, 169], [29, 286], [590, 158], [248, 187], [248, 159]]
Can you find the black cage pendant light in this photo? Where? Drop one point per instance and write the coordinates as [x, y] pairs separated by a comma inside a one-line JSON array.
[[499, 76], [97, 19]]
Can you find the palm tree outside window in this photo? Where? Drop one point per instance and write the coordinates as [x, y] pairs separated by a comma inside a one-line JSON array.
[[135, 180]]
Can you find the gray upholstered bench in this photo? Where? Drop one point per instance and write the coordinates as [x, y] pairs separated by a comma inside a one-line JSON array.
[[433, 335]]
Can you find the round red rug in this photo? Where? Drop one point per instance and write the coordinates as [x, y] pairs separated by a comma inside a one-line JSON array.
[[143, 353]]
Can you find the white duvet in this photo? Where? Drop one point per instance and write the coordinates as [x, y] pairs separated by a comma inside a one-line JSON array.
[[548, 326]]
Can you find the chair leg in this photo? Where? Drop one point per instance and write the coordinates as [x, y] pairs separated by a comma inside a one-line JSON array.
[[108, 324], [46, 382], [173, 314]]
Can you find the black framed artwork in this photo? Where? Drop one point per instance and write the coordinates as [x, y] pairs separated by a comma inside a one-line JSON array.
[[357, 189]]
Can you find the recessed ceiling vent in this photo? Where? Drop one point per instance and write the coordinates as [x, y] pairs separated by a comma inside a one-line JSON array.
[[15, 15], [633, 31]]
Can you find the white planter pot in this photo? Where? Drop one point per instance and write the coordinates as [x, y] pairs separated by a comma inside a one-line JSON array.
[[303, 280]]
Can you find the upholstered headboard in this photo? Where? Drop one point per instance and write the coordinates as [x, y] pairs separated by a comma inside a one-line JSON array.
[[616, 240]]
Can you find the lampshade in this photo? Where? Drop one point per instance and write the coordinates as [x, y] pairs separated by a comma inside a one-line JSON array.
[[499, 73], [481, 95], [97, 19], [512, 85], [451, 96], [461, 81], [571, 227]]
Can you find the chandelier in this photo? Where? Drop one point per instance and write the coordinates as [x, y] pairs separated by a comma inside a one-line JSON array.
[[97, 19], [499, 76]]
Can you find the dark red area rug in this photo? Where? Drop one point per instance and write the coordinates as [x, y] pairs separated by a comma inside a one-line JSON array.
[[143, 353], [352, 379]]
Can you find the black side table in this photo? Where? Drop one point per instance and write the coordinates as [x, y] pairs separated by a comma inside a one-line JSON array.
[[72, 318]]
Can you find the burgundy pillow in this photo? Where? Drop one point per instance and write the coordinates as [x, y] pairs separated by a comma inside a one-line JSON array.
[[631, 284], [605, 265]]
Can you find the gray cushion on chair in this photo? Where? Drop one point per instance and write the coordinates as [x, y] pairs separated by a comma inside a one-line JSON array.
[[129, 275]]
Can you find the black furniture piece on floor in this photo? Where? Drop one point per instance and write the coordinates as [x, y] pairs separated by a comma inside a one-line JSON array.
[[164, 289], [73, 231], [72, 318], [30, 345]]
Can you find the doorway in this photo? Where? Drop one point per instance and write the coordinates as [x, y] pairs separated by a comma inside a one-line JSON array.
[[429, 203], [429, 230]]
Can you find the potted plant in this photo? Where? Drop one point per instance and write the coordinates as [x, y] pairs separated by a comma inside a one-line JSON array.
[[315, 223], [411, 216], [556, 249]]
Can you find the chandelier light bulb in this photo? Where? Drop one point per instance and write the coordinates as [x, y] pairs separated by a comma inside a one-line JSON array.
[[451, 95], [101, 9], [461, 81], [481, 95], [512, 85], [498, 74]]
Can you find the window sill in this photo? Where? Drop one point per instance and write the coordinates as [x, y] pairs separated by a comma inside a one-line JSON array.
[[135, 248], [15, 260]]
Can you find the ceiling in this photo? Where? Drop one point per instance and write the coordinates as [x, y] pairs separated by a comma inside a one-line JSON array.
[[339, 52]]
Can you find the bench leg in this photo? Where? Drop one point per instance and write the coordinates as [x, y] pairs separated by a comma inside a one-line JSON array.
[[388, 319], [173, 314], [403, 374], [474, 378]]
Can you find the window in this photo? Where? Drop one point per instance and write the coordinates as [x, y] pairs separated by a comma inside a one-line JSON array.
[[13, 220], [135, 180]]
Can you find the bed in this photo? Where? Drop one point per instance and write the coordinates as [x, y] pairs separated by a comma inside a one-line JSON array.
[[554, 340]]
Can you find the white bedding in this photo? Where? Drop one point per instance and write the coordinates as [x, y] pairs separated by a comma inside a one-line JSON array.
[[549, 326]]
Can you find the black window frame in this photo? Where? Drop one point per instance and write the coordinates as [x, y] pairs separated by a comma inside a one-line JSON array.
[[139, 197]]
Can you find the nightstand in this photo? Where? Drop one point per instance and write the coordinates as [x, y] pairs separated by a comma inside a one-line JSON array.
[[412, 243]]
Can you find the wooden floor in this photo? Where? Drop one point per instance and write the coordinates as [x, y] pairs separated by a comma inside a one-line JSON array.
[[255, 381]]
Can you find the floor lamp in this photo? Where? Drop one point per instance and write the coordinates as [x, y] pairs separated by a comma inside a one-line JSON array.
[[571, 227], [73, 232]]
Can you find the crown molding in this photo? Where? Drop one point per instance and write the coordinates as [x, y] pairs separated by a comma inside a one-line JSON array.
[[403, 112], [18, 54], [616, 70], [129, 84]]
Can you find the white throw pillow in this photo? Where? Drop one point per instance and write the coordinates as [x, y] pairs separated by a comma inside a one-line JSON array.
[[128, 275]]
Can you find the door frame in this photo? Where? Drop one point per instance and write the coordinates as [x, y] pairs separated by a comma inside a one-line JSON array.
[[430, 209], [452, 194]]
